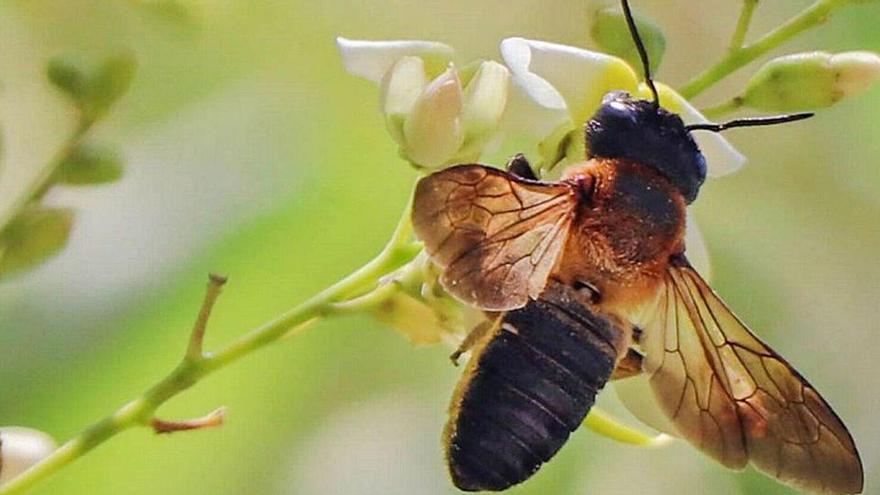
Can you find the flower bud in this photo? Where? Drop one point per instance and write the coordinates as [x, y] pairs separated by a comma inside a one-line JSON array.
[[811, 80], [21, 448], [610, 31], [433, 132]]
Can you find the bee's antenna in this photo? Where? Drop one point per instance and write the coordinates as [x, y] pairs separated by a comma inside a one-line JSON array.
[[749, 122], [643, 54]]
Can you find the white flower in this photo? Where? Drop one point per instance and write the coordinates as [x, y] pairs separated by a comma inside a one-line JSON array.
[[438, 115], [21, 448]]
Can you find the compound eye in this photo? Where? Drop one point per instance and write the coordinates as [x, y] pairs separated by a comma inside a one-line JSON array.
[[617, 112]]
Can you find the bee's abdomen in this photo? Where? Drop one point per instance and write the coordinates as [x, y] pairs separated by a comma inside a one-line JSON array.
[[526, 390]]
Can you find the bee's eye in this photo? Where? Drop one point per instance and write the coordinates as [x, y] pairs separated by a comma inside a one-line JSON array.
[[616, 113]]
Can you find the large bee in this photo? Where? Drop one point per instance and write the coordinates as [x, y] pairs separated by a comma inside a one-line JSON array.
[[586, 280]]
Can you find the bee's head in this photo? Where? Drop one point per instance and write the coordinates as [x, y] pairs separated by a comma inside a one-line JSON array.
[[643, 132]]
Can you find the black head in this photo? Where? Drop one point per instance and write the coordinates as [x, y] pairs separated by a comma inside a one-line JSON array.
[[645, 133]]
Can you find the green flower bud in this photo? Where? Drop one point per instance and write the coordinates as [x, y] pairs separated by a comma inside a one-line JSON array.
[[89, 164], [21, 448], [610, 31], [35, 235], [811, 80]]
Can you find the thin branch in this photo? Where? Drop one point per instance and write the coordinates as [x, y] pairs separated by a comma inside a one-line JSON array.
[[742, 25], [812, 16], [215, 285], [42, 181], [210, 420], [140, 411]]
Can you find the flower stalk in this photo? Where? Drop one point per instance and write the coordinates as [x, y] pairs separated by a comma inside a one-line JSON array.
[[736, 58]]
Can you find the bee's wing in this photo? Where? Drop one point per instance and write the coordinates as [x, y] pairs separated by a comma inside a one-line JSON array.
[[735, 398], [497, 236]]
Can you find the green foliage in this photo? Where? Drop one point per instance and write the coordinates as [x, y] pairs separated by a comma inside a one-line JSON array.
[[34, 236], [89, 164], [92, 86], [610, 31]]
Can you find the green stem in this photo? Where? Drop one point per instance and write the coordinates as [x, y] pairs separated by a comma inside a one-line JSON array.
[[194, 366], [742, 25], [42, 181], [736, 58], [606, 425]]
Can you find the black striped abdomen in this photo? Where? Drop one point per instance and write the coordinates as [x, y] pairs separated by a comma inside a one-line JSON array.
[[527, 389]]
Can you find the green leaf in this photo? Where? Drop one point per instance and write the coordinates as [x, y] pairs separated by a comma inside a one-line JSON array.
[[93, 86], [89, 164], [111, 81], [37, 234], [67, 74], [611, 33]]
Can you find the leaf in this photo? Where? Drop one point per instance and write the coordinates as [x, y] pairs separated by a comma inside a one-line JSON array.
[[93, 86], [111, 81], [34, 236], [89, 164]]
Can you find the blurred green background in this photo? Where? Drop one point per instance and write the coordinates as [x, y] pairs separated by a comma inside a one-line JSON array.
[[250, 152]]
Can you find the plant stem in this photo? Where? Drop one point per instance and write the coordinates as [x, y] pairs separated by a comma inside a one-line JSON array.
[[736, 58], [604, 424], [195, 366], [42, 181], [742, 25]]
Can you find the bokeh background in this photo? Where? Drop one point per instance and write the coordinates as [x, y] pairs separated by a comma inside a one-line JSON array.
[[250, 152]]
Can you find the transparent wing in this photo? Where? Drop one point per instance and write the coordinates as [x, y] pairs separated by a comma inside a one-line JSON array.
[[496, 235], [735, 398]]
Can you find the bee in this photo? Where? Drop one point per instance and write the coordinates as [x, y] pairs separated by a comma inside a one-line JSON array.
[[586, 280]]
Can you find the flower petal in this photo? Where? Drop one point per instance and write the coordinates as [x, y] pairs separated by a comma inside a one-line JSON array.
[[721, 157], [372, 59], [697, 252], [637, 396], [399, 89], [433, 132], [485, 99], [557, 76]]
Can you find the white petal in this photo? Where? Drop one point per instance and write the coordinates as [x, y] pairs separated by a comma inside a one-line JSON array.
[[399, 89], [433, 131], [637, 396], [371, 59], [557, 76], [485, 99], [721, 157], [535, 105], [695, 248]]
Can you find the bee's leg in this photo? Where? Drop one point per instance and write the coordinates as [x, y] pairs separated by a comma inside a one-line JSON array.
[[520, 167], [629, 365], [472, 338]]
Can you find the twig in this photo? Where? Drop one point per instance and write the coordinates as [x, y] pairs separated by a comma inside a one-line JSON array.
[[215, 285], [210, 420]]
